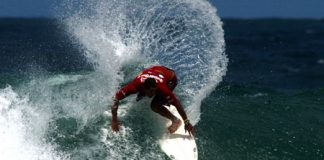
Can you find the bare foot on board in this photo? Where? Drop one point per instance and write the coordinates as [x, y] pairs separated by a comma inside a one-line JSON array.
[[174, 126]]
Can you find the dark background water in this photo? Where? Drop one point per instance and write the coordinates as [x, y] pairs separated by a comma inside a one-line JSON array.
[[270, 104], [37, 42], [280, 53]]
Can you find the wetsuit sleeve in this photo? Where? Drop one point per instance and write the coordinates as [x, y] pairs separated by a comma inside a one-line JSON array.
[[127, 90]]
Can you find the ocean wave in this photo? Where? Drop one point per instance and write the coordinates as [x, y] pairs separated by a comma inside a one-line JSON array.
[[23, 129], [186, 36]]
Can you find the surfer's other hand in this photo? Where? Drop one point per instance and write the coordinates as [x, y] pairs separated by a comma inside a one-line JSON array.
[[115, 126], [189, 128]]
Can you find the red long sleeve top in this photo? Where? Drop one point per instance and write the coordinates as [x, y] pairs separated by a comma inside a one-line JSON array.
[[161, 74]]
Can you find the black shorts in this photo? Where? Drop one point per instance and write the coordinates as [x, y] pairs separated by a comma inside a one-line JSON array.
[[163, 100]]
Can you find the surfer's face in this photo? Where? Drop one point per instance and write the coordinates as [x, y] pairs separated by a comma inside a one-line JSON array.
[[150, 92]]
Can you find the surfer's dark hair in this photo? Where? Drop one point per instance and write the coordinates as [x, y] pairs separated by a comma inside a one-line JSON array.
[[150, 83]]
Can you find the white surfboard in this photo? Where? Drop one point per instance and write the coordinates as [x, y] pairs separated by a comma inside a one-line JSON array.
[[179, 145]]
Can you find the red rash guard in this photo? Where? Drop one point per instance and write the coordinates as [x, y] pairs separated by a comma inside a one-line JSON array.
[[162, 76]]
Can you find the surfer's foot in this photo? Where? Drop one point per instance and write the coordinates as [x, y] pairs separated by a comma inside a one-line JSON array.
[[176, 123]]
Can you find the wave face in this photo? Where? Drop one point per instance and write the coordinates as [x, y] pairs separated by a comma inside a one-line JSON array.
[[122, 37]]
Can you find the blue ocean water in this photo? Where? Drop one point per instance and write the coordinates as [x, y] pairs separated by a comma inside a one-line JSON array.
[[57, 77]]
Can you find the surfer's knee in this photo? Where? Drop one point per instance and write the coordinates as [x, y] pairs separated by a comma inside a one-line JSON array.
[[155, 106]]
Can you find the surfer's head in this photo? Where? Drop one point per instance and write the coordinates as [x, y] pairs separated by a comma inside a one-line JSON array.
[[150, 87]]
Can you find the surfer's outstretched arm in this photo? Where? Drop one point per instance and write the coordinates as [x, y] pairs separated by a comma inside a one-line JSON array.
[[188, 125], [121, 94], [114, 124]]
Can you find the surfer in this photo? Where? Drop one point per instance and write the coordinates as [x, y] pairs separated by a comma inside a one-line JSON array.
[[157, 82]]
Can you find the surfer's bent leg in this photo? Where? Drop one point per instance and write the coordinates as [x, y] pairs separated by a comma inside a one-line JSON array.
[[156, 106]]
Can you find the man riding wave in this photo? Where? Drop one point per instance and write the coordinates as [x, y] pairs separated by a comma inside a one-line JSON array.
[[157, 82]]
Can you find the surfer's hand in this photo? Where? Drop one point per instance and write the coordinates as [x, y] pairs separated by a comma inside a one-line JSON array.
[[189, 128], [115, 126]]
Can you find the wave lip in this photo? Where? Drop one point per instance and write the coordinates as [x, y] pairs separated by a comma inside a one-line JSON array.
[[185, 35], [18, 136]]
